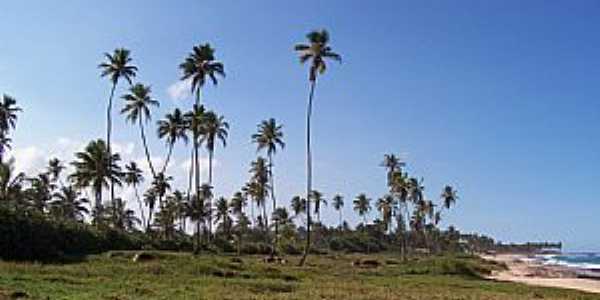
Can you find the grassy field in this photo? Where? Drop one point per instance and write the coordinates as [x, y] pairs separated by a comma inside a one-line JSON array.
[[182, 276]]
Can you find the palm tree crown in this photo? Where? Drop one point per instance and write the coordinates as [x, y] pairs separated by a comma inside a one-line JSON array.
[[269, 136], [199, 65], [138, 102], [317, 50], [362, 205], [118, 66]]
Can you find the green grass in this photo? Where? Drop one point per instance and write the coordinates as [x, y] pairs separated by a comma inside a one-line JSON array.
[[182, 276]]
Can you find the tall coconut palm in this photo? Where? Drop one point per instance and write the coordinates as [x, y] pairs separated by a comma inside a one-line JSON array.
[[134, 177], [137, 107], [338, 204], [317, 198], [199, 66], [8, 121], [269, 137], [362, 205], [92, 169], [117, 66], [316, 52], [214, 128], [172, 128]]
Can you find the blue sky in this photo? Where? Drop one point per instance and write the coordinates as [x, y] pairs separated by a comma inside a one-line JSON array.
[[500, 99]]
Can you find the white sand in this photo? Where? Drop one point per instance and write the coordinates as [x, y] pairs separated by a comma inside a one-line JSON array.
[[523, 271]]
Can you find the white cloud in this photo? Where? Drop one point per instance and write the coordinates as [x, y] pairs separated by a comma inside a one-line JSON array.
[[179, 90]]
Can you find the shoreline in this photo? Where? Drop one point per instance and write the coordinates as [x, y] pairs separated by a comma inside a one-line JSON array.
[[522, 269]]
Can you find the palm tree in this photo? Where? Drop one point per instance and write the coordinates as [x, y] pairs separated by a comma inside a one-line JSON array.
[[55, 168], [172, 128], [449, 196], [117, 66], [8, 121], [213, 128], [178, 201], [362, 205], [92, 169], [338, 204], [69, 205], [298, 205], [198, 211], [393, 164], [385, 206], [134, 177], [259, 186], [40, 192], [137, 108], [237, 203], [11, 183], [197, 67], [269, 137], [222, 216], [317, 51], [317, 198]]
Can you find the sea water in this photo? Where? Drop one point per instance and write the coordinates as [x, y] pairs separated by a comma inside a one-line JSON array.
[[589, 262]]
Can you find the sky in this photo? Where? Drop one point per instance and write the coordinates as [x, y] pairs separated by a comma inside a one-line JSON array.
[[497, 98]]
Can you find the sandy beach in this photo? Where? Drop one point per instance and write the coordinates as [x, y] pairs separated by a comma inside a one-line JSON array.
[[525, 270]]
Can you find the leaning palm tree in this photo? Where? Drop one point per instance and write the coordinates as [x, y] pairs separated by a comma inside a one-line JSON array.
[[269, 137], [137, 107], [362, 205], [172, 129], [133, 177], [8, 121], [117, 66], [338, 204], [92, 169], [317, 51]]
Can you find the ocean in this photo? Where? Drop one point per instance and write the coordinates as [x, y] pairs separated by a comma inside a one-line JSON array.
[[589, 261]]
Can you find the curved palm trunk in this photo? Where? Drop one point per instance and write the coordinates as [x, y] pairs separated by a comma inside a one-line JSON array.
[[164, 168], [308, 170], [190, 175], [340, 218], [140, 204], [108, 135], [147, 152], [150, 212]]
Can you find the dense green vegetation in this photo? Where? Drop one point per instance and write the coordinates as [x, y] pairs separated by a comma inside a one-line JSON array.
[[182, 276]]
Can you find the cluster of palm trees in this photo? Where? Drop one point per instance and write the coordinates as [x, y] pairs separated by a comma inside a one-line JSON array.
[[165, 209]]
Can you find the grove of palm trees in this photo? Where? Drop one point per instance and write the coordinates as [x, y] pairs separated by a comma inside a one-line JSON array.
[[268, 241]]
